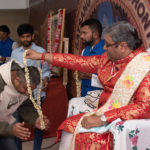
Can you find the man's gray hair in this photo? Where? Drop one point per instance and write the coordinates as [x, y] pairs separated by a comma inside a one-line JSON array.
[[34, 73], [123, 31]]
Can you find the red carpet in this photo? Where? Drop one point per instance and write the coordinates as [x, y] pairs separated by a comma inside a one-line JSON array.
[[55, 105]]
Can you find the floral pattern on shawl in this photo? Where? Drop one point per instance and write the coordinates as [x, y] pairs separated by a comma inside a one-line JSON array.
[[134, 138], [120, 126], [147, 58], [128, 81]]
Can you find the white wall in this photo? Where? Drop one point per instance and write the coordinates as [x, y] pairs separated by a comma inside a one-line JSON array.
[[14, 4], [13, 18]]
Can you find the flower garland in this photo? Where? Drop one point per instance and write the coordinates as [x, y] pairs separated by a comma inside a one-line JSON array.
[[49, 33], [52, 46], [58, 31], [78, 84], [37, 105]]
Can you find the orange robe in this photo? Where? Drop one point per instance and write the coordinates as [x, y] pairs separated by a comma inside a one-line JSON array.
[[108, 73]]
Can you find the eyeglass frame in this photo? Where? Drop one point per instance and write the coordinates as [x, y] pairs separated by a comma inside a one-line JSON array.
[[109, 45]]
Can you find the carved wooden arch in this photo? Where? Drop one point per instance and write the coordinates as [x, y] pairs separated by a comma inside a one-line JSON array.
[[87, 7]]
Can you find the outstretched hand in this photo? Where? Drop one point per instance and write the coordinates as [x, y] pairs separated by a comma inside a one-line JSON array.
[[31, 54], [20, 131]]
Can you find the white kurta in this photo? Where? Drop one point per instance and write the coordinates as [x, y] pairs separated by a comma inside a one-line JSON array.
[[10, 99]]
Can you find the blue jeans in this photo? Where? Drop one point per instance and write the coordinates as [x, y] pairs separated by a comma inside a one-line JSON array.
[[38, 137], [7, 143], [17, 140]]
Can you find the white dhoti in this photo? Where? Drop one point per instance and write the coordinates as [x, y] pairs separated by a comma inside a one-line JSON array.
[[65, 142]]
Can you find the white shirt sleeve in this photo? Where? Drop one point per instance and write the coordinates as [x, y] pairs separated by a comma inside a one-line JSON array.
[[14, 46], [82, 52]]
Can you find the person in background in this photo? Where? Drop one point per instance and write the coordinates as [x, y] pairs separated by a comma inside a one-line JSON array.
[[6, 44], [26, 36], [90, 34], [14, 96]]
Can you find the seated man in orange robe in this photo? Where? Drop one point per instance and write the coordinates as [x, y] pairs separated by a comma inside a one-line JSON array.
[[122, 46]]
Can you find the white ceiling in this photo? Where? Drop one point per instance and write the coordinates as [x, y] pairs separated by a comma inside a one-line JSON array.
[[14, 4]]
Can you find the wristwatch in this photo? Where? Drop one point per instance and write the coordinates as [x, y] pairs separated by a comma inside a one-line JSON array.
[[103, 119]]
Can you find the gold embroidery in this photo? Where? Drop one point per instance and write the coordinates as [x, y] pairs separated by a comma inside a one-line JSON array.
[[123, 95]]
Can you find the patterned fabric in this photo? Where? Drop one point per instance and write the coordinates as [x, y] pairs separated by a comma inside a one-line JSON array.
[[131, 135], [128, 82], [79, 105], [138, 108]]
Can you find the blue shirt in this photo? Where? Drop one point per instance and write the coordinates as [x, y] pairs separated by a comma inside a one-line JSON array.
[[17, 54], [6, 47], [89, 51]]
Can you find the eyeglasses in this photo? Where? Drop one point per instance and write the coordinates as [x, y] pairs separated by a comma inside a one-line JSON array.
[[109, 45]]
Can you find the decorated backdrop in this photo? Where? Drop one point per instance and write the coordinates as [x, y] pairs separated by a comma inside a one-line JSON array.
[[137, 12]]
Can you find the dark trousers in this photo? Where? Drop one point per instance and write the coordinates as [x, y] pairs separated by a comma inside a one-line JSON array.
[[38, 134], [7, 143]]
